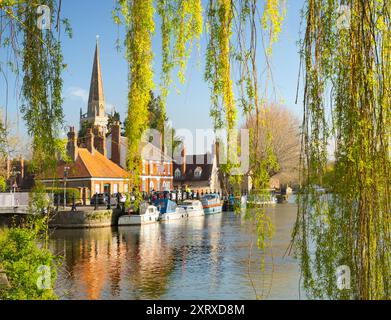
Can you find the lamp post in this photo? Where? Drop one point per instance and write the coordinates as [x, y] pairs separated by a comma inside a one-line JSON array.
[[66, 170], [14, 176]]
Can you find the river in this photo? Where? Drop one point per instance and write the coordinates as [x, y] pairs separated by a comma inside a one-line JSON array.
[[200, 258]]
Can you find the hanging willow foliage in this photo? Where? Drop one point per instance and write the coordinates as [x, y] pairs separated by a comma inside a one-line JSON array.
[[138, 19], [181, 26], [348, 70], [234, 28], [40, 66]]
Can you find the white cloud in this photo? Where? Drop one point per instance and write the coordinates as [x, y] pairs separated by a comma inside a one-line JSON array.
[[78, 93]]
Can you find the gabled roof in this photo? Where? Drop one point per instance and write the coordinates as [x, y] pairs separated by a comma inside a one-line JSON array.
[[91, 165]]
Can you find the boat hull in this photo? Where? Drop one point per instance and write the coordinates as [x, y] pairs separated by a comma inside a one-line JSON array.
[[195, 213], [137, 220], [213, 209], [177, 215]]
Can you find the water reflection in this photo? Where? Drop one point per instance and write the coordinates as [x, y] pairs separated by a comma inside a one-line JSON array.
[[202, 258]]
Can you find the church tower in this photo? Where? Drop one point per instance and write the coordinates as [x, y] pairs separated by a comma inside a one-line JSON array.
[[96, 112]]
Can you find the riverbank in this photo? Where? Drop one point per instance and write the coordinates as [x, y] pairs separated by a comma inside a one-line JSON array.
[[85, 219]]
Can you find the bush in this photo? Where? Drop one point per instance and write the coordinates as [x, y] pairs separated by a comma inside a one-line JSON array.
[[21, 257], [59, 193], [3, 184]]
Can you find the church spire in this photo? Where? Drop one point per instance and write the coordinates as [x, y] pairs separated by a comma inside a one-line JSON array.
[[96, 100]]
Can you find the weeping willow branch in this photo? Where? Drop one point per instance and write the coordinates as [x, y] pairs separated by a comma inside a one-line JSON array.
[[350, 226]]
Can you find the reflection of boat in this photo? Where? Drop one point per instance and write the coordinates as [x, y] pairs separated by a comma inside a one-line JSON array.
[[148, 214], [212, 203], [193, 208], [169, 210], [262, 199]]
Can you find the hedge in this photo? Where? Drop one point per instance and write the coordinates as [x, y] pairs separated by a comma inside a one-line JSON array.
[[59, 192]]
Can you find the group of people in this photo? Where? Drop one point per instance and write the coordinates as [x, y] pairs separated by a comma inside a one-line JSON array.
[[176, 195]]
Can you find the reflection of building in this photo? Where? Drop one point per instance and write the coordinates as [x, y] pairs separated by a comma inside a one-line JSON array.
[[93, 260], [198, 172], [134, 263]]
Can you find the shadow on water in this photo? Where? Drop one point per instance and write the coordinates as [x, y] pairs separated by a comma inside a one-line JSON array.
[[200, 258]]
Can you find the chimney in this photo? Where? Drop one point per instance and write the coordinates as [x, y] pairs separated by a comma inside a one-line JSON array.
[[72, 144], [115, 143], [183, 161], [99, 140], [90, 141]]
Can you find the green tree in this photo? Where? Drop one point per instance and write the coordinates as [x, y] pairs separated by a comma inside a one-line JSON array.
[[112, 119]]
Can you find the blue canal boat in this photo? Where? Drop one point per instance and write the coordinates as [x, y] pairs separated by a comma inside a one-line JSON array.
[[169, 210]]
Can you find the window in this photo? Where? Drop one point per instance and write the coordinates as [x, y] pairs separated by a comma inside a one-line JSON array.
[[151, 186], [97, 188], [198, 172], [160, 169], [168, 186], [143, 186], [150, 168], [126, 188], [178, 173], [144, 167], [115, 188]]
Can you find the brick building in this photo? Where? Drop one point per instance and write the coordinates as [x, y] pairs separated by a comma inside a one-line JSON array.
[[198, 172], [157, 167], [89, 170], [98, 159]]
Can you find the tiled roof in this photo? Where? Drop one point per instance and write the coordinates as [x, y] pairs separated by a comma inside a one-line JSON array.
[[91, 165]]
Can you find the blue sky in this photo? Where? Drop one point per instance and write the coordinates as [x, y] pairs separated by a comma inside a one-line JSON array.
[[187, 109]]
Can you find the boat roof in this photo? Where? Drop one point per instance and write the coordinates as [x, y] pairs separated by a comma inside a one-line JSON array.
[[166, 205]]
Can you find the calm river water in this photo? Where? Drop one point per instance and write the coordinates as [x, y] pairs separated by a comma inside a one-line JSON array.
[[201, 258]]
